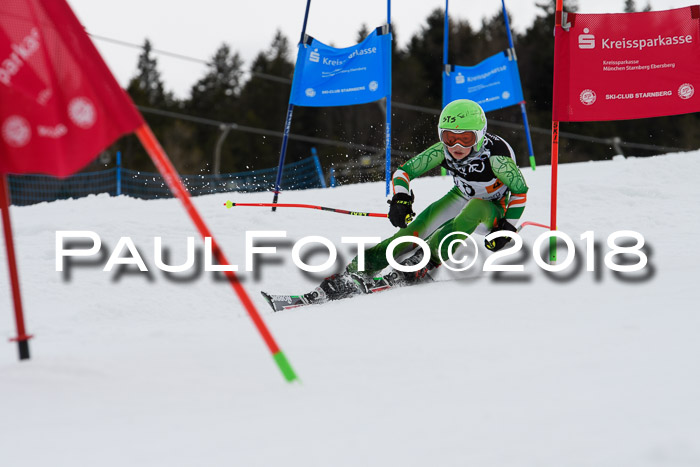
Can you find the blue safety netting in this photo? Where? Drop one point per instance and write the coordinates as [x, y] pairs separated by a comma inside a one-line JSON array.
[[32, 189]]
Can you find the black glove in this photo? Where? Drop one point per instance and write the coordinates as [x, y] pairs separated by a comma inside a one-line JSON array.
[[498, 243], [401, 209]]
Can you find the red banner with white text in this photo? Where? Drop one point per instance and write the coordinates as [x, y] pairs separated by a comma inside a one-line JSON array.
[[59, 103], [627, 65]]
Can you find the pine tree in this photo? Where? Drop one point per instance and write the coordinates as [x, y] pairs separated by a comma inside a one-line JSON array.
[[146, 88], [264, 104], [215, 95], [425, 48], [362, 33]]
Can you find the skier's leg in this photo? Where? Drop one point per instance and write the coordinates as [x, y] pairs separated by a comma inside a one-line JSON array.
[[477, 211], [422, 226]]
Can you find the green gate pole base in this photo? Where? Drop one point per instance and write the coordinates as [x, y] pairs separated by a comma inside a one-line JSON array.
[[552, 250], [285, 367]]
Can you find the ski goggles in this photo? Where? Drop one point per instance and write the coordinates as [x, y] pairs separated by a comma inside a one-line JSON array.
[[464, 138]]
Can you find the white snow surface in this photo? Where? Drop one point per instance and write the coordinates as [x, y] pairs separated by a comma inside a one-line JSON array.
[[512, 370]]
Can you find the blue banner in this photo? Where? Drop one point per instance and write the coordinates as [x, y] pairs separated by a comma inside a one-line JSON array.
[[326, 77], [494, 83]]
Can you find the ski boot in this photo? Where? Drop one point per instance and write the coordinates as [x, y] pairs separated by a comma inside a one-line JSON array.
[[396, 278], [335, 287]]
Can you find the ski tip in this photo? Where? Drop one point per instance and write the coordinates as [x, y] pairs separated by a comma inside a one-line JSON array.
[[268, 299], [284, 302]]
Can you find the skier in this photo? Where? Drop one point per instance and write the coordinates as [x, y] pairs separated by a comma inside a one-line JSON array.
[[489, 191]]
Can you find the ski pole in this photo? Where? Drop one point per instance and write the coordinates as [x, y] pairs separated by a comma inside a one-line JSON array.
[[230, 204], [534, 224]]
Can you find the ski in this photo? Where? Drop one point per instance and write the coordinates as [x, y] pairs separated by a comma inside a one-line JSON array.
[[318, 296], [286, 302]]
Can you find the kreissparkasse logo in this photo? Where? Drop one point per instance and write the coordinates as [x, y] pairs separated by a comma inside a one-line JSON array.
[[314, 56], [586, 40]]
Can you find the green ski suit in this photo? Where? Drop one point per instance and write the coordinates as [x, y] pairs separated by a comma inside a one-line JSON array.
[[488, 186]]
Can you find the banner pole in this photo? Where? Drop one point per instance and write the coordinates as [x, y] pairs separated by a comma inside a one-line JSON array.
[[555, 149], [22, 338], [283, 153], [165, 167], [531, 152], [288, 121], [306, 19], [445, 43], [445, 48], [387, 143], [119, 173]]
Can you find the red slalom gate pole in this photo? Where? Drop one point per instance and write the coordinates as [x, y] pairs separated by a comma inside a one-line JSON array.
[[165, 167], [230, 204], [559, 9], [22, 338], [553, 195]]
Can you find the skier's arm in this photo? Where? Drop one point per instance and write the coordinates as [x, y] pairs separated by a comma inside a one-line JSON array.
[[415, 167], [508, 172]]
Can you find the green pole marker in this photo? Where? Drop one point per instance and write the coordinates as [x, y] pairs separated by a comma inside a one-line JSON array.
[[552, 250], [532, 162], [285, 366]]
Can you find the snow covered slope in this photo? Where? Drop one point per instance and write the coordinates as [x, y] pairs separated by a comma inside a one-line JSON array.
[[519, 369]]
